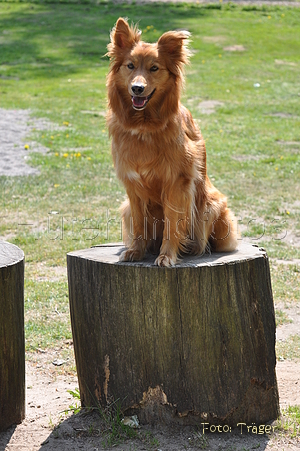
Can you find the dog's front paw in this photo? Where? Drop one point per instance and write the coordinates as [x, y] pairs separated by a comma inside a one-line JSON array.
[[131, 255], [165, 260]]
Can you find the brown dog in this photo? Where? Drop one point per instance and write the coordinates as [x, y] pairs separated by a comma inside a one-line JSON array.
[[159, 153]]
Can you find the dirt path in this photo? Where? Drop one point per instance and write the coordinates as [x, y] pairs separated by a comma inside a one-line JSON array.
[[15, 129], [47, 398]]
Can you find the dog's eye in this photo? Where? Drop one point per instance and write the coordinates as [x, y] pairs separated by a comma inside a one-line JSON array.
[[153, 68], [130, 66]]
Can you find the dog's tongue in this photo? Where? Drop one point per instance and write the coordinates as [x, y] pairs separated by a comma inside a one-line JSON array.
[[139, 102]]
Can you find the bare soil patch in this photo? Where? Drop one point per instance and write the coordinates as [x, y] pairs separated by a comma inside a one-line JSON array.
[[16, 126], [214, 39], [235, 48], [209, 106], [290, 328], [285, 63]]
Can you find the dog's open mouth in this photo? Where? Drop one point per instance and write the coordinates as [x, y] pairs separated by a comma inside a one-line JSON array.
[[139, 103]]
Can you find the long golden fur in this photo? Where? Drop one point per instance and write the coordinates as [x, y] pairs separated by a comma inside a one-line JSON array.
[[159, 153]]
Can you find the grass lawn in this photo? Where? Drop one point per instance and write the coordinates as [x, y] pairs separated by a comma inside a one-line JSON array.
[[52, 62]]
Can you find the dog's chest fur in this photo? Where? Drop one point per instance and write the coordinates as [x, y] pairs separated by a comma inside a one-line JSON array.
[[150, 159]]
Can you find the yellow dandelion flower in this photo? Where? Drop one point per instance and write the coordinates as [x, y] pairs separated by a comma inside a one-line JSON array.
[[66, 123], [26, 147], [89, 158], [78, 154], [67, 136], [287, 212], [276, 169], [56, 185], [56, 154], [65, 155], [67, 166], [52, 137]]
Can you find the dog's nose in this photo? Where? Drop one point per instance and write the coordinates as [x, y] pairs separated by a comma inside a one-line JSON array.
[[137, 89]]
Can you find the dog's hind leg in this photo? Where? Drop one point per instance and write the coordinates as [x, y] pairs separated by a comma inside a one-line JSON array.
[[224, 234]]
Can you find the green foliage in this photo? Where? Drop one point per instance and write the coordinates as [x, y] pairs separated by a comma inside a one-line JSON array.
[[286, 288], [47, 314], [115, 430], [281, 318], [74, 408], [288, 349], [289, 422]]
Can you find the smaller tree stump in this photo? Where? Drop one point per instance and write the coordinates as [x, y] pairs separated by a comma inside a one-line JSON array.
[[12, 341], [191, 343]]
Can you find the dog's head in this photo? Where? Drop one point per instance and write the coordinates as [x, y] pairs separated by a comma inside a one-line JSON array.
[[146, 74]]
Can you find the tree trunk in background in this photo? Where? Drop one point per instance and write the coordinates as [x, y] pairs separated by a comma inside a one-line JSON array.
[[192, 343], [12, 343]]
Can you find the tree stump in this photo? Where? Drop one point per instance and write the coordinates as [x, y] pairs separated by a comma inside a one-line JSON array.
[[12, 342], [192, 343]]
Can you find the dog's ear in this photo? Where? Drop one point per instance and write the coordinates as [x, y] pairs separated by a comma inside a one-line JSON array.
[[122, 38], [173, 46]]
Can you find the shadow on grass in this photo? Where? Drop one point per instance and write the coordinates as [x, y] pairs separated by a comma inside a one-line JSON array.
[[53, 39]]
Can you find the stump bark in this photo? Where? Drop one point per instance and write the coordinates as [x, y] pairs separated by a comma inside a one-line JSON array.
[[12, 342], [192, 343]]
